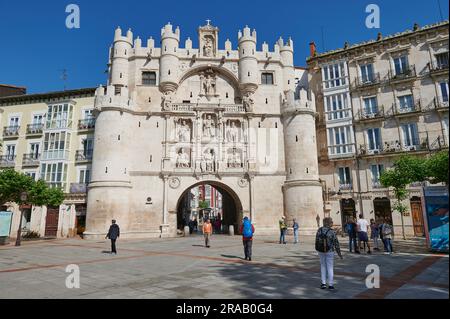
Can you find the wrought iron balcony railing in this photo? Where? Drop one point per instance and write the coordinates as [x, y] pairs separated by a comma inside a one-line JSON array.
[[86, 124], [345, 187], [35, 128], [407, 73], [396, 146], [11, 131], [435, 67], [7, 161], [31, 159], [364, 115], [84, 155], [371, 79]]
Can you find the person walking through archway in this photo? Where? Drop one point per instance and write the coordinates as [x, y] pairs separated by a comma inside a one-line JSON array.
[[207, 231]]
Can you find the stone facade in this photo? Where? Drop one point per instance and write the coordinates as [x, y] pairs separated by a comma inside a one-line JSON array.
[[172, 118], [376, 101]]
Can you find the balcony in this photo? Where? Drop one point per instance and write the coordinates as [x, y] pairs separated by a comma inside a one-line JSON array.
[[82, 156], [11, 131], [439, 144], [364, 116], [77, 188], [377, 185], [7, 161], [31, 160], [437, 104], [436, 68], [395, 147], [345, 187], [405, 110], [372, 80], [35, 129], [86, 124], [409, 73]]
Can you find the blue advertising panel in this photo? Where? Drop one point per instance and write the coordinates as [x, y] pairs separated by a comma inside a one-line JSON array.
[[5, 223], [436, 213]]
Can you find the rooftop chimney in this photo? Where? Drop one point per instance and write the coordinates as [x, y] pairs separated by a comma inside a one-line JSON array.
[[312, 49]]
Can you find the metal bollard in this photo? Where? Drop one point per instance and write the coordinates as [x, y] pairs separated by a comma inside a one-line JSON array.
[[231, 230], [186, 231]]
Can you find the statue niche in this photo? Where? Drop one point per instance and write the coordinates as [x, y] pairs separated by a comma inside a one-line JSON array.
[[208, 163], [232, 132], [183, 130], [209, 126], [208, 84], [208, 46], [183, 159]]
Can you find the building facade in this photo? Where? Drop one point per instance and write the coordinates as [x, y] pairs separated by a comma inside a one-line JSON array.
[[50, 136], [377, 101], [173, 118]]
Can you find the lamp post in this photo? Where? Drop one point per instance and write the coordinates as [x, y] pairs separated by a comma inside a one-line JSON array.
[[23, 199]]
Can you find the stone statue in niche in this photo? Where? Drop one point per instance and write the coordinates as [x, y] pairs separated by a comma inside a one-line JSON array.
[[232, 132], [184, 132], [248, 102], [209, 127], [183, 160], [207, 164], [208, 49]]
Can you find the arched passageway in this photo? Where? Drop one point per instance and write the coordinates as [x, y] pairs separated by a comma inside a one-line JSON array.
[[211, 200]]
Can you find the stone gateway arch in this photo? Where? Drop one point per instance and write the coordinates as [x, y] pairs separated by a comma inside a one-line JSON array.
[[174, 117]]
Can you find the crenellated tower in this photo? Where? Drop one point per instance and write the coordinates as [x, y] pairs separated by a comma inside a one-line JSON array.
[[169, 60], [302, 189], [248, 63]]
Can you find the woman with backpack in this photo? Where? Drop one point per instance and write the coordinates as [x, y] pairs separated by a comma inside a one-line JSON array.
[[247, 230], [326, 245]]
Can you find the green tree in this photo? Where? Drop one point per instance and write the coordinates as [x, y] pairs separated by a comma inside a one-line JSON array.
[[436, 168], [398, 181], [13, 184], [203, 204]]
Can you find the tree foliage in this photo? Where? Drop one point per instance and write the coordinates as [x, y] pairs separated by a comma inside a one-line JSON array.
[[13, 184], [203, 204], [437, 168]]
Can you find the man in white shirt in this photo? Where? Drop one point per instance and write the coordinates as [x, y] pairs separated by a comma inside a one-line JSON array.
[[363, 227]]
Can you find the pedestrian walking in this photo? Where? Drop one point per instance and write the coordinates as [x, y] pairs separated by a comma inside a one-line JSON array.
[[113, 234], [295, 226], [207, 231], [351, 228], [283, 229], [326, 245], [247, 230], [363, 228], [387, 231], [374, 234]]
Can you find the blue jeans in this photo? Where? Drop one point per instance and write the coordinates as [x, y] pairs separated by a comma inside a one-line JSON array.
[[295, 236], [388, 244], [283, 236]]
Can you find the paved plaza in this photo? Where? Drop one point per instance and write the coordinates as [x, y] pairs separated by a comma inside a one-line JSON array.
[[183, 268]]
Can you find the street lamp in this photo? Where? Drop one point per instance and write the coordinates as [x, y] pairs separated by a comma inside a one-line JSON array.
[[23, 199]]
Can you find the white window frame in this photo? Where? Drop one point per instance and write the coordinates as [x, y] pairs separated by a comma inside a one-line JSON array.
[[371, 137]]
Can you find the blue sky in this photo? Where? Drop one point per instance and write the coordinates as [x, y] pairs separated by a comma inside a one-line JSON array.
[[37, 46]]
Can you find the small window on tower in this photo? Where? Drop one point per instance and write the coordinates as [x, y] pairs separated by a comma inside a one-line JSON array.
[[148, 78], [267, 78]]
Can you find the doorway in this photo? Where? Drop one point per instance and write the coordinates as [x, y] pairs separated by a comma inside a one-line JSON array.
[[348, 210], [51, 222], [382, 208], [417, 216]]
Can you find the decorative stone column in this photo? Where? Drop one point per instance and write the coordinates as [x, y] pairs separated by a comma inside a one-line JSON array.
[[165, 219]]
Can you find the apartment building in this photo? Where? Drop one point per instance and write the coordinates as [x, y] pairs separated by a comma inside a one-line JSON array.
[[50, 136], [377, 101]]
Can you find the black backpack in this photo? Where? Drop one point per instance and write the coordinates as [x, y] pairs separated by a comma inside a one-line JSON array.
[[322, 244]]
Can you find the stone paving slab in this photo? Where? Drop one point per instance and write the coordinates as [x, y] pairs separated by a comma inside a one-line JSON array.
[[183, 268]]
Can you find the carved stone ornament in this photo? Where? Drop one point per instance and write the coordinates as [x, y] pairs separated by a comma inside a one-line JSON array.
[[248, 102], [243, 182], [167, 100], [174, 182]]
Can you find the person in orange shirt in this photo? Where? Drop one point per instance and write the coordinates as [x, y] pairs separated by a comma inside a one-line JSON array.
[[207, 231]]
